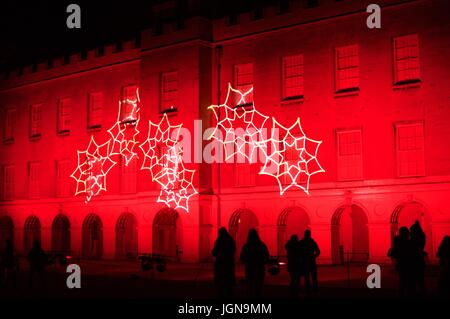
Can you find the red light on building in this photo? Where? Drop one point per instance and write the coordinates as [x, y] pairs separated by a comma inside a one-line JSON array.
[[377, 99]]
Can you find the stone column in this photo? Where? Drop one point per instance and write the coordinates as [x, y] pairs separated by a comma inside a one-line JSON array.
[[46, 238], [379, 242], [76, 241], [145, 239]]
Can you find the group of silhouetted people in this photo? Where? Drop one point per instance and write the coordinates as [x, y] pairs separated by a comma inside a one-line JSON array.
[[408, 251], [301, 262], [254, 256], [301, 255], [9, 264]]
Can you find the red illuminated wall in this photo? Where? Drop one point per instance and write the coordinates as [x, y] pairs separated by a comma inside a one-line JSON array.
[[361, 213]]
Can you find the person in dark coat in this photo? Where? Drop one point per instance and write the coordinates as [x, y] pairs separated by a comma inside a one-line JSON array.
[[443, 254], [418, 240], [37, 260], [254, 255], [224, 252], [309, 251], [417, 235], [403, 251], [293, 263], [9, 264]]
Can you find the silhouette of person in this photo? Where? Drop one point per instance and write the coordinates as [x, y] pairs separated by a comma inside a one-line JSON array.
[[309, 251], [443, 254], [418, 240], [418, 236], [293, 263], [404, 253], [254, 255], [224, 271], [9, 263], [37, 260]]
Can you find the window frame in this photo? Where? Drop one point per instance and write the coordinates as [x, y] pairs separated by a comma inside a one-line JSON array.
[[10, 123], [124, 96], [163, 107], [246, 166], [61, 125], [339, 88], [243, 87], [407, 81], [397, 125], [7, 196], [35, 135], [284, 96], [62, 179], [339, 176], [90, 110], [125, 173], [34, 185]]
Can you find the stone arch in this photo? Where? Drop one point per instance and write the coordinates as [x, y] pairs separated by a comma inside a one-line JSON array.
[[349, 234], [167, 234], [241, 221], [405, 214], [31, 231], [126, 236], [92, 246], [292, 220], [61, 234]]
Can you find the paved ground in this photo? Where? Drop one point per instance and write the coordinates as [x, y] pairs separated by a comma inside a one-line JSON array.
[[113, 279]]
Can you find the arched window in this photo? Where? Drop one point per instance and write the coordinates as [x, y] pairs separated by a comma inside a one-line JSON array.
[[92, 237], [167, 239], [349, 235], [126, 236], [32, 232], [241, 221], [61, 234]]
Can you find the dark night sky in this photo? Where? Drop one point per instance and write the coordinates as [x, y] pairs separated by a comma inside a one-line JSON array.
[[34, 31]]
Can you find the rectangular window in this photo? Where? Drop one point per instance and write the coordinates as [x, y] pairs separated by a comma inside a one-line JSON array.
[[64, 115], [169, 92], [35, 120], [34, 171], [292, 77], [244, 174], [128, 104], [168, 161], [8, 182], [291, 157], [243, 81], [63, 181], [10, 123], [95, 109], [245, 170], [349, 155], [410, 149], [347, 68], [128, 181], [406, 59]]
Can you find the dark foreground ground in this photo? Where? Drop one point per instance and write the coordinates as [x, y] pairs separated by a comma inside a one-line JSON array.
[[110, 285]]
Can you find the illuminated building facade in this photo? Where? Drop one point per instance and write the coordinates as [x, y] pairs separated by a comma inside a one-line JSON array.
[[378, 99]]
